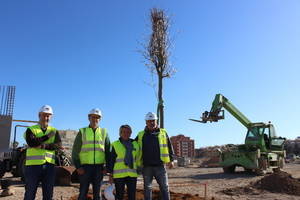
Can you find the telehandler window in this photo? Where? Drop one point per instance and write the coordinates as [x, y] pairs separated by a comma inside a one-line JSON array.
[[254, 133]]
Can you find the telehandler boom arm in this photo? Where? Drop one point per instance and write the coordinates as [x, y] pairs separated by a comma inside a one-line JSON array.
[[216, 113]]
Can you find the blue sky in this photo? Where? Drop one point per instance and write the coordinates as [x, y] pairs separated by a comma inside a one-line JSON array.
[[77, 55]]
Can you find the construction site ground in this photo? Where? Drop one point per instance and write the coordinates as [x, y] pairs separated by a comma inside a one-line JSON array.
[[189, 180]]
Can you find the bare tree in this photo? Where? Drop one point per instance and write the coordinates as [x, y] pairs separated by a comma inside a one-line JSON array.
[[157, 55]]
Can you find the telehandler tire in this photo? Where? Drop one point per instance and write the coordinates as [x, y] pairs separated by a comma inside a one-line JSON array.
[[229, 169], [247, 170], [18, 171]]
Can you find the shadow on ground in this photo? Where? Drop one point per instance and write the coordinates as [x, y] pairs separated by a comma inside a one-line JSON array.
[[219, 175]]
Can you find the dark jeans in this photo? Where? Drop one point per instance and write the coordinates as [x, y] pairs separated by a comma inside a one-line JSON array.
[[130, 183], [92, 174], [161, 176], [36, 173]]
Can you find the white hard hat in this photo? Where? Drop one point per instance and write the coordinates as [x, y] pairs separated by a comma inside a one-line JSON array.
[[95, 111], [46, 109], [109, 192], [150, 116]]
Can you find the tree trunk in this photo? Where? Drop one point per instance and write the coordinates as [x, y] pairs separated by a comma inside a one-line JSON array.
[[160, 106]]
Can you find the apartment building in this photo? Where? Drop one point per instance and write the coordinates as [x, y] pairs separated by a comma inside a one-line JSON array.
[[183, 146]]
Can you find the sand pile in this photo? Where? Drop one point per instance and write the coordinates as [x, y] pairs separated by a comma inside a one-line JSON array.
[[280, 182]]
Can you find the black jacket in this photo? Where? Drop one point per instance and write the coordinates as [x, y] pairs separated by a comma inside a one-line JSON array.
[[151, 150]]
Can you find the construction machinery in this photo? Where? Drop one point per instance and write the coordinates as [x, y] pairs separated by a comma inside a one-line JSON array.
[[12, 156], [263, 149]]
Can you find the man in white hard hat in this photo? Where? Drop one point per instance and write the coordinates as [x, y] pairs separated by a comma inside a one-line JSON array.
[[157, 151], [42, 140], [90, 153]]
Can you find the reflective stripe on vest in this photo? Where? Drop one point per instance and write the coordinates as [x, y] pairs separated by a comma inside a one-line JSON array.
[[92, 149], [121, 170], [37, 156], [163, 145], [47, 155], [118, 172], [92, 142]]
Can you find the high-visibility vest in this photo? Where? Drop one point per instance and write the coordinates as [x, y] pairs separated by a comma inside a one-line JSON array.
[[163, 145], [92, 149], [37, 156], [121, 170]]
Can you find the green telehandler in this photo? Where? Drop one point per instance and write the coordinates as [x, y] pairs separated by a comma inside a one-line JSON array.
[[263, 149]]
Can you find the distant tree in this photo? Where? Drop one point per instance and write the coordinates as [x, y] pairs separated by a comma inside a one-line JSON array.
[[156, 53]]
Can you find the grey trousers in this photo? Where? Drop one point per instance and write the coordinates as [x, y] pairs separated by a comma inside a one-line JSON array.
[[161, 177]]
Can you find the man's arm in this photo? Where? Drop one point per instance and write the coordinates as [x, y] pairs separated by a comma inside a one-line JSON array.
[[76, 150], [112, 160], [107, 149], [171, 150], [56, 145], [34, 141]]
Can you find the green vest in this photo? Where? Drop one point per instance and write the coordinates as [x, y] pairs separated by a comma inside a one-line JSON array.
[[163, 145], [92, 149], [37, 156], [120, 169]]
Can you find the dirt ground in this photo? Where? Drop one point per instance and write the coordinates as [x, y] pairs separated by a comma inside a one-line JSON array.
[[191, 180]]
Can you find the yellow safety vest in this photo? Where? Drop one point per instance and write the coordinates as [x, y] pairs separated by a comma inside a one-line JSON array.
[[92, 149], [163, 145], [37, 156], [120, 169]]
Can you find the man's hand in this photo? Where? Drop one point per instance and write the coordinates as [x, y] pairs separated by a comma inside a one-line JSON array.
[[80, 171], [171, 165], [110, 179], [59, 146]]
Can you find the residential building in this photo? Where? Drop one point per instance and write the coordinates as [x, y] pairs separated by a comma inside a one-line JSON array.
[[183, 146]]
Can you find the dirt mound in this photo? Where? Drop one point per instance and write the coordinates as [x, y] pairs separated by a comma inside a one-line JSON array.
[[155, 196], [280, 182]]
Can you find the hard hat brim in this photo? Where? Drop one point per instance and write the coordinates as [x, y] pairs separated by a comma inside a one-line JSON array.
[[47, 112], [95, 114]]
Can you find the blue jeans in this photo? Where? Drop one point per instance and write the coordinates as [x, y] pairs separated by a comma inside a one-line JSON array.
[[130, 183], [36, 173], [92, 174], [161, 177]]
